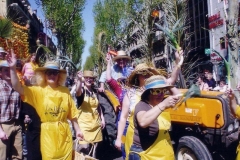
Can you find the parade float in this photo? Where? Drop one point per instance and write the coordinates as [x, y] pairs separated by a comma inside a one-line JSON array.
[[14, 36]]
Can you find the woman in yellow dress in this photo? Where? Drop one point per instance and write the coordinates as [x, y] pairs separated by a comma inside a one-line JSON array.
[[54, 106], [90, 118], [136, 83], [151, 139]]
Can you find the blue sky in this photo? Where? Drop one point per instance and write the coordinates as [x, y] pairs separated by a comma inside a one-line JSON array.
[[89, 28], [88, 22]]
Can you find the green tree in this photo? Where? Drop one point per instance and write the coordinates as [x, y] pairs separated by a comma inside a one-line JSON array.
[[66, 18], [233, 44], [89, 64], [108, 16]]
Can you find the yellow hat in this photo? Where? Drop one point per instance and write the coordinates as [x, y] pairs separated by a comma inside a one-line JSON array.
[[50, 65], [156, 81], [138, 70], [121, 55], [89, 74]]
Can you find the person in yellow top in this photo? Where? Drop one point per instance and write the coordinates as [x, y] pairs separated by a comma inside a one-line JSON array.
[[54, 106], [151, 139], [136, 83], [235, 108], [91, 118]]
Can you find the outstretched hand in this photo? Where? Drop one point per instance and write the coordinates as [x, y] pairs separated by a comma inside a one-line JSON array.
[[11, 59], [170, 101], [79, 75]]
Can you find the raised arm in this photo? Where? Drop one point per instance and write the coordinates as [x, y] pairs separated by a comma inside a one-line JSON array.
[[145, 118], [108, 71], [11, 59], [79, 83], [177, 68], [122, 121]]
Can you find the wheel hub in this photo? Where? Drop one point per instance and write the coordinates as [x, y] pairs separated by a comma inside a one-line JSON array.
[[186, 154]]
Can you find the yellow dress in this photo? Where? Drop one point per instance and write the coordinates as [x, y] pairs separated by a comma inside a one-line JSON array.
[[89, 120], [162, 148], [54, 106], [238, 148]]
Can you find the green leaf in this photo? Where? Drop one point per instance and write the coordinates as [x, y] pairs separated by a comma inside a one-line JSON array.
[[6, 27], [170, 36], [226, 63]]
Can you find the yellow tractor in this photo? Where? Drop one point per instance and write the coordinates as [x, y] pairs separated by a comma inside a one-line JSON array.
[[204, 128]]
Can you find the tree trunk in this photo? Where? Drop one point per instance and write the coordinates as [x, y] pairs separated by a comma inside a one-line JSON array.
[[233, 40]]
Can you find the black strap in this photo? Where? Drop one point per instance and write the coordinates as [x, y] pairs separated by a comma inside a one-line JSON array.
[[80, 98]]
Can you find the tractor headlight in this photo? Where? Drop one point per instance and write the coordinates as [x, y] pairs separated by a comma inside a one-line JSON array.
[[236, 124], [230, 128]]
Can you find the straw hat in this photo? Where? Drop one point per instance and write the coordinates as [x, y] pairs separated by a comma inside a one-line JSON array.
[[2, 50], [89, 74], [156, 81], [51, 65], [120, 55], [138, 70], [3, 63]]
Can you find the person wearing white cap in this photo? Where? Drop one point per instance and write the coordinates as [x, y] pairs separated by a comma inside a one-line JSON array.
[[119, 71], [10, 128], [2, 53]]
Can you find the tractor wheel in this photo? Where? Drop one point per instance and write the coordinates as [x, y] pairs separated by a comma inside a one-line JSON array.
[[191, 148]]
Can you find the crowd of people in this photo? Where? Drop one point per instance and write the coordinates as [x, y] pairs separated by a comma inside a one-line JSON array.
[[38, 109], [206, 82]]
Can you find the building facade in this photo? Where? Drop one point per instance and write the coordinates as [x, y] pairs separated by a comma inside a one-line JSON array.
[[22, 14], [217, 10], [218, 29]]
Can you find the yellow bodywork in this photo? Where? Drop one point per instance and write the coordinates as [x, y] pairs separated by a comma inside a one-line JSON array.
[[200, 110], [113, 99]]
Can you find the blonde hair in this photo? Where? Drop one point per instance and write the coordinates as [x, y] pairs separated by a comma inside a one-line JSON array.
[[41, 81]]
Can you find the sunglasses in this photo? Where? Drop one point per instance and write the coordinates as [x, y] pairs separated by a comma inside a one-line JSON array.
[[158, 91], [89, 78], [51, 72]]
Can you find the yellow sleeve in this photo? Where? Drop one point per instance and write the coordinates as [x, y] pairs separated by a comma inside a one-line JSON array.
[[73, 111], [30, 95], [238, 111]]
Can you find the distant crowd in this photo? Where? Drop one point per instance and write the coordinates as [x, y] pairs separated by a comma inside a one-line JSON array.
[[46, 115]]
